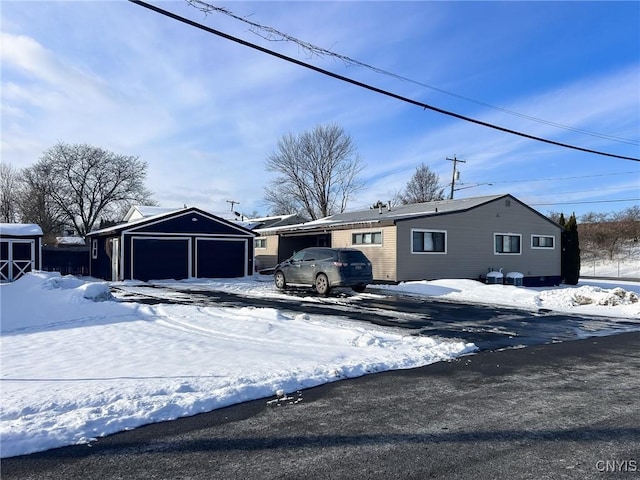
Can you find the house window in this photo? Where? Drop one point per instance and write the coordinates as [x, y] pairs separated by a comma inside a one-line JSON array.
[[507, 244], [542, 241], [260, 243], [428, 241], [94, 249], [368, 238]]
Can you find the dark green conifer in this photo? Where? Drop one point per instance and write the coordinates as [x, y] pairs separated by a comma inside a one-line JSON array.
[[570, 261]]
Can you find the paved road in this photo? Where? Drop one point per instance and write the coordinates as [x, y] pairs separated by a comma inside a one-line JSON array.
[[490, 328], [563, 410]]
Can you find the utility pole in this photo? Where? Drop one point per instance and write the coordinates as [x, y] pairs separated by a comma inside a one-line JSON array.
[[456, 174], [233, 202]]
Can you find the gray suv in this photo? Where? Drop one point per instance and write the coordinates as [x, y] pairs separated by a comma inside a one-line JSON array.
[[325, 268]]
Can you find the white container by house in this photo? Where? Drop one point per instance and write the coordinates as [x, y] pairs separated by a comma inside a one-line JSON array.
[[495, 277], [514, 278]]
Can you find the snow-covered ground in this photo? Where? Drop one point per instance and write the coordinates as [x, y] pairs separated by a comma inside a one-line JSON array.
[[76, 364], [603, 267], [625, 262]]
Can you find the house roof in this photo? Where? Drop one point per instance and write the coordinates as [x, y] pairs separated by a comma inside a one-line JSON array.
[[396, 214], [77, 241], [166, 215], [411, 211], [143, 211], [276, 221], [20, 229]]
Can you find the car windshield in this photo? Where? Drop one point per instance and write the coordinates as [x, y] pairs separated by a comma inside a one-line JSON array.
[[353, 256]]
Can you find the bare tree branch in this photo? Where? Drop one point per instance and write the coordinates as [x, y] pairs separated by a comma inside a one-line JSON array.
[[424, 186], [317, 172], [87, 183], [9, 191]]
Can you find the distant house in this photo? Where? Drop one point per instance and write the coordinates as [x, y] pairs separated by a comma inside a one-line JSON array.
[[20, 250], [267, 257], [136, 212], [464, 238], [69, 242], [176, 244]]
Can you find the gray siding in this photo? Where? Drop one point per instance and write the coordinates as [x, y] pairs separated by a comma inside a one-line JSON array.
[[470, 243]]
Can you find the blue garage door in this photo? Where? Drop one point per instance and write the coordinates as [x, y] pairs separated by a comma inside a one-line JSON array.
[[221, 258], [158, 259]]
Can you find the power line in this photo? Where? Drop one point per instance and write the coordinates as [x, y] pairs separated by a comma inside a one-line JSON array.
[[271, 34], [586, 202], [372, 88], [580, 191], [563, 178]]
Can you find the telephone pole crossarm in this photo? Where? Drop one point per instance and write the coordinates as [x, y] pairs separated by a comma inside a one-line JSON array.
[[453, 177]]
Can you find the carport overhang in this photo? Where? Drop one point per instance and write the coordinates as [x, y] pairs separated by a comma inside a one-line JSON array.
[[295, 238], [291, 242]]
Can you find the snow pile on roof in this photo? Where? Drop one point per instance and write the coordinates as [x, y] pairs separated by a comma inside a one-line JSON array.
[[20, 229]]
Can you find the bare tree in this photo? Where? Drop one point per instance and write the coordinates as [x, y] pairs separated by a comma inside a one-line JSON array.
[[87, 183], [424, 186], [318, 171], [608, 231], [9, 191], [36, 204]]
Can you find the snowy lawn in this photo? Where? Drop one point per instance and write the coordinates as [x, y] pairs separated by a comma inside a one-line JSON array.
[[77, 365]]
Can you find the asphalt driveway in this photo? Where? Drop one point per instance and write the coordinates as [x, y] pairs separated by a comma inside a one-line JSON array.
[[562, 410], [489, 327]]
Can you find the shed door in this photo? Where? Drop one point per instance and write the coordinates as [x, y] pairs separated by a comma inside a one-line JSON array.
[[216, 258], [160, 258], [17, 257]]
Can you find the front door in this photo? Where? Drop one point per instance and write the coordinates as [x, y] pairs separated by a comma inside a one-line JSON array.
[[115, 260]]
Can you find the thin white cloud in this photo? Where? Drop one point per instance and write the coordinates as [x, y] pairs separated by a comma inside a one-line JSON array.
[[204, 113]]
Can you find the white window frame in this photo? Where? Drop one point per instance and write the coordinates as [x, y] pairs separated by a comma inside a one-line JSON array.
[[262, 239], [544, 247], [372, 233], [506, 234], [94, 248], [429, 230]]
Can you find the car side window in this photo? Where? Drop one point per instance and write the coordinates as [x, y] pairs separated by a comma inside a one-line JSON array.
[[298, 256], [310, 255], [325, 255]]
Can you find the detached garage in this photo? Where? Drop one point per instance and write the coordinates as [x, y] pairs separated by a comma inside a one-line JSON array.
[[185, 243]]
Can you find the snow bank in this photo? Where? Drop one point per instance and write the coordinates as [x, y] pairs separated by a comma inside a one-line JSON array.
[[589, 299], [76, 367]]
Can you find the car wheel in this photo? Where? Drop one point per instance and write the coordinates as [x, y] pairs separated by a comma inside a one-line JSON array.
[[322, 284], [359, 288], [280, 281]]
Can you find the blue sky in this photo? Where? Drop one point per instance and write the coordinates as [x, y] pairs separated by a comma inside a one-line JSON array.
[[204, 112]]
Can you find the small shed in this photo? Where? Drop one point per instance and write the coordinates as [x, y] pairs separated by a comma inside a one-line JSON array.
[[20, 250], [180, 244]]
